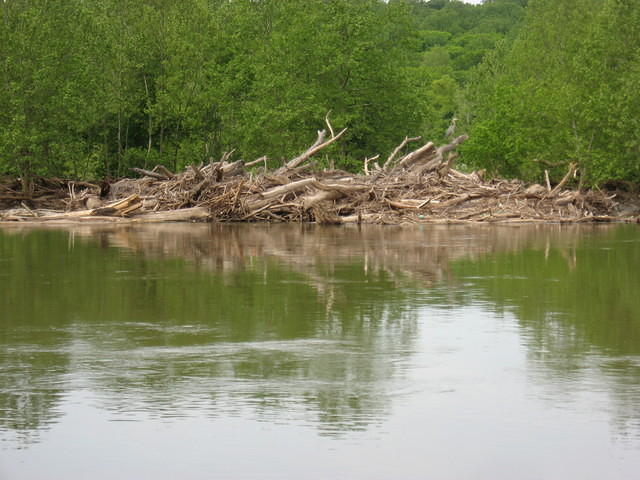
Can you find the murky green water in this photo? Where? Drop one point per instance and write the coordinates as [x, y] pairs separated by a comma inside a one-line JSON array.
[[293, 352]]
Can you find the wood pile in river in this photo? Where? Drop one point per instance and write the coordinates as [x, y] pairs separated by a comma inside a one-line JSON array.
[[420, 186]]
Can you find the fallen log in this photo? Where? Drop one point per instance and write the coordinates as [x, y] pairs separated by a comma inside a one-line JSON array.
[[150, 173], [194, 214], [419, 187]]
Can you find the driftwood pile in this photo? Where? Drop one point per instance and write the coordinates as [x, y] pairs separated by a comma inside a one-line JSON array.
[[418, 186]]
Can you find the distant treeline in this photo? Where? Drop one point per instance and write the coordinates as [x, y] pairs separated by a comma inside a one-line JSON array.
[[91, 88]]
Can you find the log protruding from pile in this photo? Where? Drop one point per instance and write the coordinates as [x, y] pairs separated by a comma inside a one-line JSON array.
[[417, 185]]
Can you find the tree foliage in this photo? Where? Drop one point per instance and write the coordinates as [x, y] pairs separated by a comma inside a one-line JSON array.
[[564, 91], [89, 89]]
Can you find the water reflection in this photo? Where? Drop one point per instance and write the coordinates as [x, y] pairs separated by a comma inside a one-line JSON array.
[[298, 324], [577, 304]]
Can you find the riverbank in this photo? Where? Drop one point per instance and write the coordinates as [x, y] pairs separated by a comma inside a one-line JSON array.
[[421, 186]]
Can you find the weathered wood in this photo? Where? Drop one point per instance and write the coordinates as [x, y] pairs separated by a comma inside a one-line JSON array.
[[233, 169], [262, 159], [420, 187], [318, 145], [568, 175], [317, 197], [264, 198], [183, 215], [403, 144], [414, 157], [149, 173]]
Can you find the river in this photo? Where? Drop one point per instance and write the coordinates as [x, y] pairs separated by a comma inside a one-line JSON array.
[[306, 352]]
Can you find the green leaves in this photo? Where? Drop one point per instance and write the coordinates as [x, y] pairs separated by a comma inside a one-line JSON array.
[[562, 92], [92, 88]]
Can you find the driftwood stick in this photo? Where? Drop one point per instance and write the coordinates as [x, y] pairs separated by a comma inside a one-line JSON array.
[[165, 170], [437, 160], [183, 215], [546, 179], [397, 149], [451, 146], [318, 145], [262, 159], [149, 173], [226, 156], [265, 198], [366, 163], [326, 120], [231, 169], [309, 201], [414, 156], [33, 213], [568, 175]]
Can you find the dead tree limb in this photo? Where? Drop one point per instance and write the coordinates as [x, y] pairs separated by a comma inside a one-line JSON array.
[[366, 163], [265, 198], [318, 145], [149, 173], [414, 157], [161, 168], [397, 149], [568, 175], [262, 159]]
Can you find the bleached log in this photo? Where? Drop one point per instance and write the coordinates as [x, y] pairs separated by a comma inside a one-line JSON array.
[[183, 215], [397, 149], [414, 157], [318, 145], [265, 198]]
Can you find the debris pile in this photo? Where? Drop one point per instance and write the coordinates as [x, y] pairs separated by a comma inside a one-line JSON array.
[[421, 186]]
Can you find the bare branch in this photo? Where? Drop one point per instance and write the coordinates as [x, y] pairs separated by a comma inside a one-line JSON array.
[[319, 144], [366, 163], [326, 119], [397, 149]]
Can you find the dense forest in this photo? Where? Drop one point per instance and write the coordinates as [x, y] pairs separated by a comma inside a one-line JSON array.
[[91, 88]]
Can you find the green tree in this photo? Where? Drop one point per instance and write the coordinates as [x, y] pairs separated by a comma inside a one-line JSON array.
[[48, 87], [291, 62], [562, 92]]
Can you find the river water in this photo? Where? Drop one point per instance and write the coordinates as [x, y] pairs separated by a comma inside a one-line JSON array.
[[302, 352]]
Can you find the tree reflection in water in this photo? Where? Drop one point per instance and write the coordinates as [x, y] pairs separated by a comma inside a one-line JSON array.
[[300, 323]]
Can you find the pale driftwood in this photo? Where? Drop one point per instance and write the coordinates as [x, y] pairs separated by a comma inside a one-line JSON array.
[[566, 198], [226, 156], [165, 170], [535, 191], [264, 198], [33, 213], [366, 163], [414, 157], [183, 215], [149, 173], [318, 145], [568, 175], [397, 150], [317, 197], [420, 187], [458, 200], [262, 159], [410, 204], [232, 169], [546, 180], [341, 187], [119, 208]]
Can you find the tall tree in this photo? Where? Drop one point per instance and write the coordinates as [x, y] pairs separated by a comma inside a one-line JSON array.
[[48, 86], [563, 92]]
